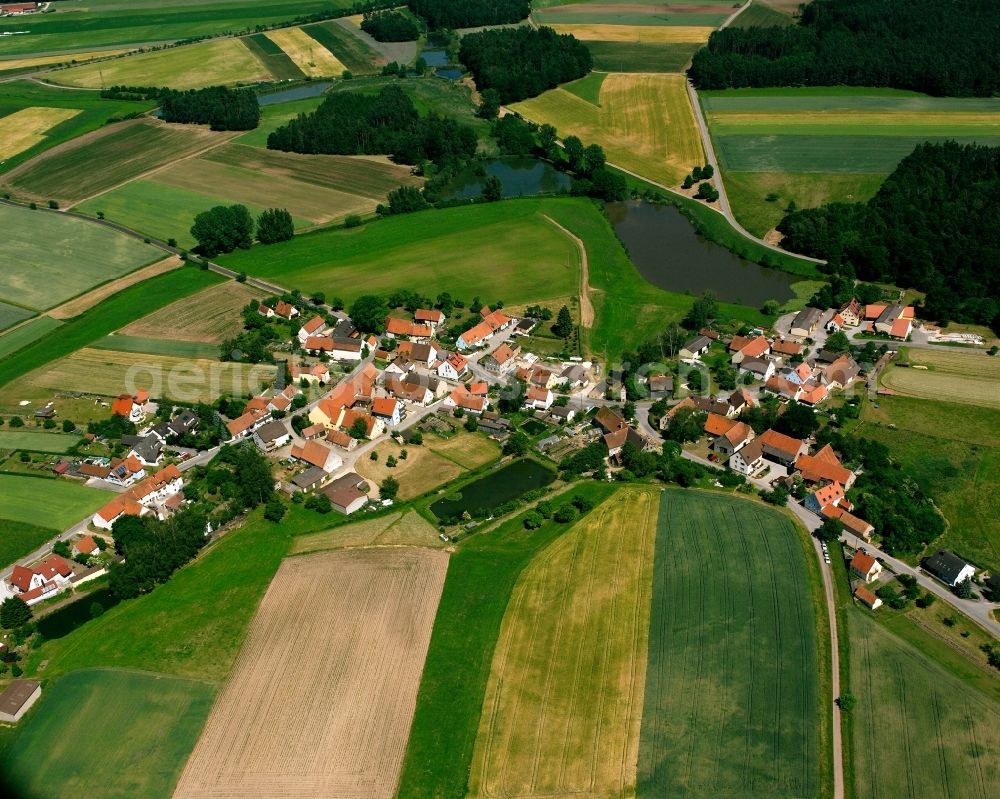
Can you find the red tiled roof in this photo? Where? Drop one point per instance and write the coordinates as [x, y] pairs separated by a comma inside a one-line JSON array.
[[781, 442], [900, 328], [538, 393], [321, 343], [865, 595], [424, 315], [20, 578], [756, 347], [819, 467], [383, 406], [314, 324], [829, 494], [122, 406], [312, 452], [52, 566], [862, 562], [717, 425]]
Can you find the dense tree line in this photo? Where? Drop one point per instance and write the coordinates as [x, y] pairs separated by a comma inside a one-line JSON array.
[[219, 107], [942, 48], [348, 123], [523, 62], [470, 13], [933, 225], [390, 26]]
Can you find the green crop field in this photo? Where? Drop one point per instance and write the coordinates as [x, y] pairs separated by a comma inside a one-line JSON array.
[[273, 57], [732, 702], [953, 452], [92, 113], [12, 314], [93, 165], [587, 88], [918, 729], [581, 734], [602, 13], [274, 116], [52, 258], [158, 346], [17, 539], [89, 716], [481, 578], [113, 313], [117, 22], [37, 441], [352, 51], [816, 145], [66, 502], [22, 336], [642, 56], [762, 15]]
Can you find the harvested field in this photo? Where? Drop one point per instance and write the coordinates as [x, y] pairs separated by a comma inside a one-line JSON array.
[[644, 123], [11, 64], [732, 704], [436, 461], [563, 705], [25, 128], [93, 164], [954, 376], [400, 52], [686, 14], [212, 63], [350, 50], [273, 57], [647, 34], [86, 301], [211, 316], [308, 54], [396, 529], [109, 373], [918, 730], [158, 346], [322, 696]]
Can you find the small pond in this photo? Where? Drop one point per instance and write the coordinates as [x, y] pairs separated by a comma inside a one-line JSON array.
[[63, 621], [302, 92], [519, 177], [449, 73], [669, 253], [533, 427], [435, 58], [483, 495]]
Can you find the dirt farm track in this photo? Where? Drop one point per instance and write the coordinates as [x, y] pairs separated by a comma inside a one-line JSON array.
[[322, 696]]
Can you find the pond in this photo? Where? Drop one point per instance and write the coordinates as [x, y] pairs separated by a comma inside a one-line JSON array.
[[483, 495], [302, 92], [519, 177], [449, 73], [669, 253], [533, 427], [435, 58], [63, 621]]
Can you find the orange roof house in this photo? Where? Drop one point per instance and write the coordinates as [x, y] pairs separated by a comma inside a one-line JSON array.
[[716, 425], [824, 466], [780, 446]]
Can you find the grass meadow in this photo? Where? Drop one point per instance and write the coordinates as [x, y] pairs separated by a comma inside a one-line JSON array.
[[393, 529], [644, 123], [965, 378], [138, 729], [274, 116], [17, 539], [481, 578], [66, 502], [732, 700], [121, 22], [22, 336], [37, 441], [815, 145], [85, 112], [10, 315], [577, 624], [52, 258]]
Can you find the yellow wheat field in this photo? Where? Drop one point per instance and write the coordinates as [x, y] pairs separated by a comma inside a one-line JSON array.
[[644, 123], [322, 696], [64, 58], [564, 700], [647, 34], [27, 127], [308, 54]]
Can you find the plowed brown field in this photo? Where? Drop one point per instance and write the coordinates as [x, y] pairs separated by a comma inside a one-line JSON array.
[[322, 696]]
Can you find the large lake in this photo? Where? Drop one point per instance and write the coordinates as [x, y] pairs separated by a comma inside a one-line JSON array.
[[519, 177], [669, 253]]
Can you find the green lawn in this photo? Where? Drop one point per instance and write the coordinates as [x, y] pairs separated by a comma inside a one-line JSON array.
[[115, 312], [65, 502], [94, 112], [733, 702], [158, 346], [17, 539], [481, 576], [51, 257], [106, 733], [115, 22], [36, 440], [14, 340]]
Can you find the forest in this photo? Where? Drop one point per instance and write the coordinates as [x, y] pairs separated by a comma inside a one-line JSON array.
[[940, 48], [387, 123], [934, 225], [219, 107], [389, 26], [470, 13], [523, 62]]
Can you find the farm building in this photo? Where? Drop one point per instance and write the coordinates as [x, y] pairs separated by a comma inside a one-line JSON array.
[[867, 597], [866, 567], [19, 696], [948, 568], [309, 479], [805, 322], [782, 448], [695, 347], [348, 493], [271, 436]]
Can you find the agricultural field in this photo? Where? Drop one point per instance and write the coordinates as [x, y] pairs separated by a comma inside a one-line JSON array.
[[642, 56], [400, 52], [10, 315], [158, 716], [211, 316], [25, 63], [114, 156], [84, 302], [815, 145], [642, 34], [953, 451], [158, 346], [23, 335], [80, 112], [628, 12], [66, 502], [36, 440], [351, 50], [561, 714], [274, 116], [212, 63], [644, 123], [52, 258], [18, 539], [732, 699], [307, 53], [106, 23], [965, 378], [395, 529], [438, 460], [274, 59], [918, 730], [23, 129], [351, 626], [109, 373]]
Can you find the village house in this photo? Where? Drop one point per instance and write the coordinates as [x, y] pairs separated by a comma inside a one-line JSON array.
[[85, 545], [805, 322], [761, 368], [346, 349], [141, 498], [661, 386], [131, 406], [314, 327], [452, 366], [841, 373], [867, 598], [615, 441], [462, 398], [852, 523], [784, 348], [575, 376], [539, 398], [749, 459], [341, 438], [851, 313], [389, 410], [32, 585], [824, 496], [243, 426], [422, 354], [404, 328], [432, 318], [417, 391], [695, 348], [781, 448], [271, 436], [812, 393], [125, 472], [742, 348], [183, 423], [282, 400], [948, 568], [562, 413], [824, 466], [895, 321], [734, 439], [317, 373], [492, 323], [502, 360], [285, 310], [316, 453], [494, 424], [309, 480], [865, 566], [609, 420], [332, 410], [714, 405], [348, 493], [148, 450], [17, 698]]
